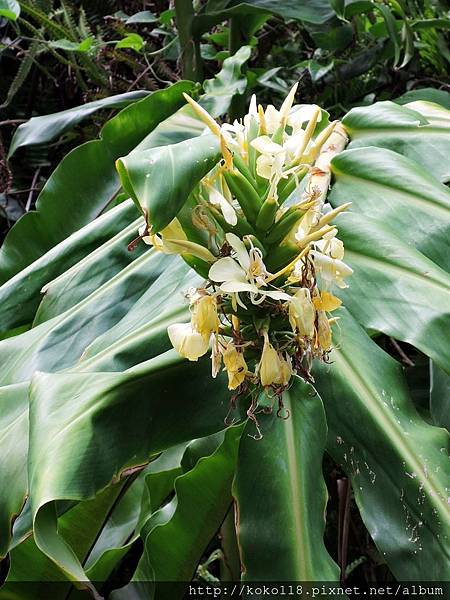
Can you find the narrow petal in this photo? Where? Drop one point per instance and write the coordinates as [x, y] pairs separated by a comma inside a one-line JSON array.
[[241, 251], [238, 286]]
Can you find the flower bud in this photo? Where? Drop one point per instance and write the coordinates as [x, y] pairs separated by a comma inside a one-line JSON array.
[[270, 364]]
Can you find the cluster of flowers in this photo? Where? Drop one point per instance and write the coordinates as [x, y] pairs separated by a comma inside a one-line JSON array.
[[274, 257]]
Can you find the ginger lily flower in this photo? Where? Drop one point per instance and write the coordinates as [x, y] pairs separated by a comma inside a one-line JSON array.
[[270, 366], [219, 200], [331, 270], [235, 366], [272, 157], [326, 302], [204, 316], [187, 342], [324, 331], [302, 313], [246, 273]]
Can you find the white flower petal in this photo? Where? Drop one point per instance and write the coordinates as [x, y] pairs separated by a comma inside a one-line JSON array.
[[241, 251], [264, 145], [277, 295], [264, 166], [302, 113], [218, 199], [188, 343], [272, 118], [238, 286], [226, 269]]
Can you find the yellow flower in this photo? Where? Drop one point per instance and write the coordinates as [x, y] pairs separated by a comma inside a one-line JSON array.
[[235, 366], [270, 364], [173, 240], [302, 312], [324, 331], [285, 371], [326, 302], [204, 317], [188, 343]]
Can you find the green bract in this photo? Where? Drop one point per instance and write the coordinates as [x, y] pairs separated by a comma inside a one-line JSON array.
[[108, 435]]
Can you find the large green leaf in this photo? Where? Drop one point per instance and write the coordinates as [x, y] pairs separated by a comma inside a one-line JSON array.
[[420, 130], [439, 396], [161, 179], [67, 458], [396, 191], [192, 517], [46, 128], [13, 441], [398, 464], [281, 495], [20, 295], [394, 288], [86, 180], [216, 11]]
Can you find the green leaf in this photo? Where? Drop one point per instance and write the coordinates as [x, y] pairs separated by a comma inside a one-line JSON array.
[[420, 131], [216, 11], [13, 441], [85, 181], [394, 288], [192, 517], [397, 463], [281, 495], [133, 41], [27, 284], [9, 9], [83, 46], [46, 128], [425, 94], [161, 179], [64, 455], [439, 396], [227, 83], [144, 16], [399, 193]]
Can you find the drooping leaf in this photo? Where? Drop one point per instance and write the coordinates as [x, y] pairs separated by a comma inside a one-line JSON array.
[[202, 497], [65, 436], [39, 130], [14, 444], [281, 495]]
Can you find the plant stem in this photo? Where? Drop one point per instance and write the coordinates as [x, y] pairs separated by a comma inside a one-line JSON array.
[[236, 40], [191, 61]]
